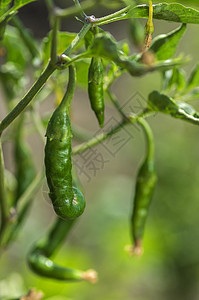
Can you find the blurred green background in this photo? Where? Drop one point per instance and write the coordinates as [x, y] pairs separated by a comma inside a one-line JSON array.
[[169, 268]]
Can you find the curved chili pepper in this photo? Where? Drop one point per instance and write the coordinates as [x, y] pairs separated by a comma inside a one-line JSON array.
[[95, 87], [39, 258], [67, 200], [145, 184]]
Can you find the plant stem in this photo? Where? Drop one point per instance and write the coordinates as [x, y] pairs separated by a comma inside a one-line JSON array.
[[38, 124], [116, 103], [30, 192], [131, 119], [78, 38], [149, 28], [111, 17], [53, 54], [80, 134], [146, 128], [3, 198], [68, 96], [79, 5], [27, 98], [26, 37], [98, 139], [103, 136], [13, 225], [41, 81], [74, 10], [149, 138], [50, 5]]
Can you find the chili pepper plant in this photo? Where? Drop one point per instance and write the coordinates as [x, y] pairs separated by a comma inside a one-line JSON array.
[[58, 64]]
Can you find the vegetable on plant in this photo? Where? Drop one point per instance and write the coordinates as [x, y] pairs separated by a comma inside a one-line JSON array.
[[145, 184], [39, 259], [95, 88], [67, 200]]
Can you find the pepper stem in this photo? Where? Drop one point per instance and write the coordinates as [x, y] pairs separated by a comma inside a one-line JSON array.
[[149, 28], [68, 96]]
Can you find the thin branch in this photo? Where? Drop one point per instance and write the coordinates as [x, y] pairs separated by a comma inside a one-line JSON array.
[[82, 12], [50, 5], [3, 198], [115, 103], [38, 124], [74, 10], [56, 25], [30, 191], [130, 119], [149, 138], [27, 98], [78, 38], [26, 37]]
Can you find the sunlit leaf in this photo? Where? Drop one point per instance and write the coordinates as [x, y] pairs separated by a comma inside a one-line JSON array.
[[164, 46], [193, 81], [82, 72], [5, 11], [174, 12], [180, 110], [174, 79], [64, 40]]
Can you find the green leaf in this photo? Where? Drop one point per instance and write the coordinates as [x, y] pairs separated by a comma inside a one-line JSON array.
[[137, 69], [88, 39], [64, 41], [82, 72], [180, 110], [5, 11], [20, 3], [174, 12], [105, 46], [12, 80], [5, 3], [136, 31], [179, 79], [16, 52], [174, 79], [193, 81], [2, 29], [164, 46], [193, 95]]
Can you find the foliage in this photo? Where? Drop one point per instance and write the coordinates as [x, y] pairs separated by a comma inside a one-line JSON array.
[[58, 52]]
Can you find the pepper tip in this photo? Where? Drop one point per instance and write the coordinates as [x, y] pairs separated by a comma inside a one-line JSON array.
[[91, 276], [135, 250]]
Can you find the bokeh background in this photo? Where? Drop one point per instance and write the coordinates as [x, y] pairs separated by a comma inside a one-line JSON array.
[[169, 268]]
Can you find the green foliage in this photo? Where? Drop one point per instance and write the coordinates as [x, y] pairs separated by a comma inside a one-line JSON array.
[[64, 41], [165, 104], [100, 59], [10, 11], [164, 46], [174, 12], [193, 81]]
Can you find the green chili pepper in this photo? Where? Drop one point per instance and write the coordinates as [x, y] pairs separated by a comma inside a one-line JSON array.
[[67, 200], [39, 258], [95, 87], [145, 184]]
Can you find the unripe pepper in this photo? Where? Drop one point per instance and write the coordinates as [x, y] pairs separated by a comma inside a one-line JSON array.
[[67, 200], [95, 88]]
